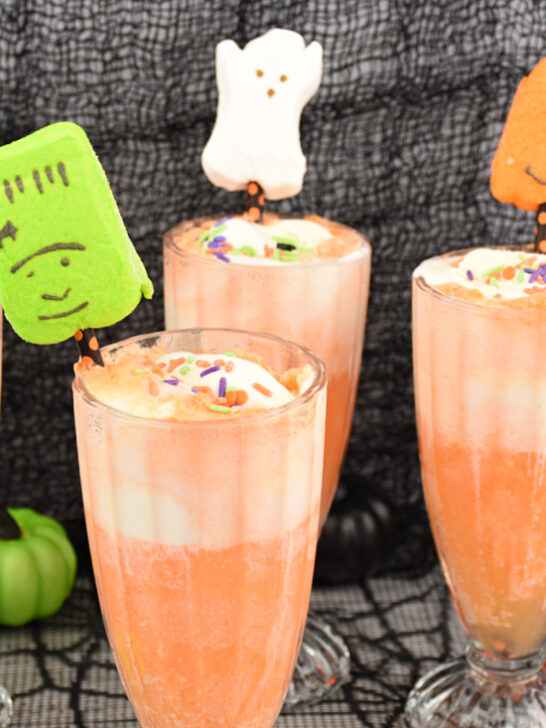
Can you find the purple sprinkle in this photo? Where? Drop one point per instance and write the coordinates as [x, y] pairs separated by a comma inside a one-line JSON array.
[[220, 239], [223, 257], [195, 390], [216, 244], [540, 271], [222, 387], [470, 275], [209, 371], [174, 382]]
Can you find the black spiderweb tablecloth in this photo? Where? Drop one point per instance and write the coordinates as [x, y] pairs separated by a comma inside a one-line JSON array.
[[61, 671]]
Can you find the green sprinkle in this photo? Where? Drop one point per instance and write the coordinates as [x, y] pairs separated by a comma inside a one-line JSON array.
[[219, 229], [184, 369], [231, 388], [248, 250], [521, 256], [205, 237], [190, 359], [497, 269], [227, 353], [493, 282], [276, 255], [521, 276], [219, 408], [235, 251], [138, 371]]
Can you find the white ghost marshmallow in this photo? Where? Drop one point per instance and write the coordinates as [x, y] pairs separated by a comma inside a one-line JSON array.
[[262, 90]]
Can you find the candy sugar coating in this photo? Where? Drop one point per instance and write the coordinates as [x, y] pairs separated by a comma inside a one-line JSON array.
[[66, 261], [518, 170], [262, 90]]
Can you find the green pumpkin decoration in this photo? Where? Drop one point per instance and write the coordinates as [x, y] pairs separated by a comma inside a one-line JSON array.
[[37, 566]]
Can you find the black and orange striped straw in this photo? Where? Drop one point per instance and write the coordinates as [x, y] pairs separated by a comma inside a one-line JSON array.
[[255, 202], [540, 230], [89, 348]]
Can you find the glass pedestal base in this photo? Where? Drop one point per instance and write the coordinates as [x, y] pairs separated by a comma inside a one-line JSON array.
[[6, 707], [323, 665], [481, 692]]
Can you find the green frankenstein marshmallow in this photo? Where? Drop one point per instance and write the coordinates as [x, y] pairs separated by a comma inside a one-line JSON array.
[[66, 261]]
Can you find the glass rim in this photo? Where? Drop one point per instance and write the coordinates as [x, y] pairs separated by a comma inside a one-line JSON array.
[[318, 383], [364, 247], [471, 305]]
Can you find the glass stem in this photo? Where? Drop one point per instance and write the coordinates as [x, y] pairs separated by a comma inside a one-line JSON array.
[[491, 668]]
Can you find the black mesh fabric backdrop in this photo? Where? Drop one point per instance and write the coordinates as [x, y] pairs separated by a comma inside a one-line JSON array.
[[399, 139]]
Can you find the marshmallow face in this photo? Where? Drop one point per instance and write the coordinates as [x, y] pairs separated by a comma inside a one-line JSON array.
[[262, 90]]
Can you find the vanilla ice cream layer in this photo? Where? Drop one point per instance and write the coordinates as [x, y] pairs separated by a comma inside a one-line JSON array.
[[209, 484], [494, 272]]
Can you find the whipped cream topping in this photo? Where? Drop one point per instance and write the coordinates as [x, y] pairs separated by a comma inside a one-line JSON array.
[[229, 380], [494, 272], [236, 240]]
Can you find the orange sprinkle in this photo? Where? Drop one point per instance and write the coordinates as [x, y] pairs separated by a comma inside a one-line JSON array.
[[86, 362], [241, 396], [175, 363], [253, 213], [252, 188], [262, 390], [153, 388], [230, 397], [268, 251], [202, 363], [93, 343], [219, 362], [161, 364], [78, 335], [229, 366], [509, 272], [541, 219]]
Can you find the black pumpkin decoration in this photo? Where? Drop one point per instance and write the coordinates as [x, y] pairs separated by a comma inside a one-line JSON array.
[[359, 534]]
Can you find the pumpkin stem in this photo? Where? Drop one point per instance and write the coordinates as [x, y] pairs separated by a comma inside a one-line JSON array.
[[9, 529]]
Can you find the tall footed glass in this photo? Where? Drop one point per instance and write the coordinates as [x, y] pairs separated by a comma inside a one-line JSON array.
[[480, 392], [202, 536], [320, 304]]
